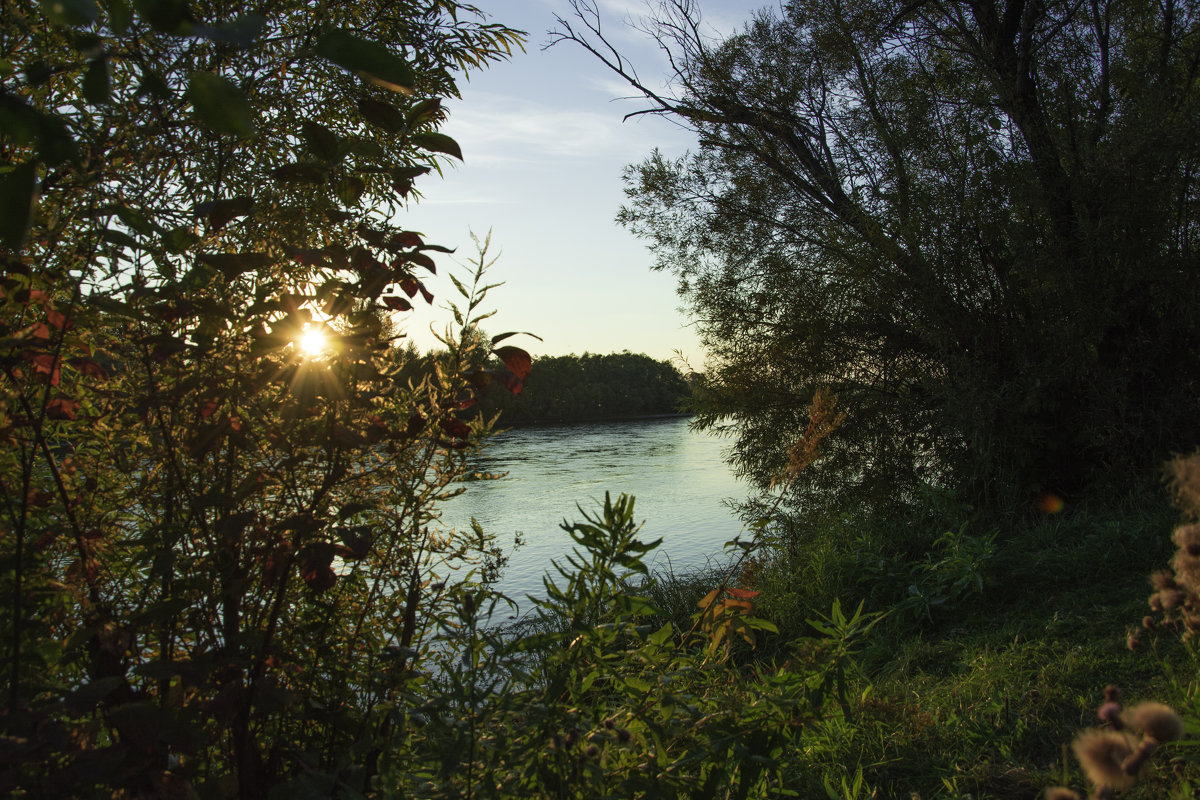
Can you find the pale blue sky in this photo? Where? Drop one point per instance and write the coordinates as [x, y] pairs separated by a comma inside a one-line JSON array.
[[544, 147]]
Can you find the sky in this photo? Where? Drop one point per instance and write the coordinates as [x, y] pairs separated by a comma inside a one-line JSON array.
[[544, 147]]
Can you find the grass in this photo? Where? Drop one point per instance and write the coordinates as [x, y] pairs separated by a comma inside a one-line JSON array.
[[975, 692], [995, 645]]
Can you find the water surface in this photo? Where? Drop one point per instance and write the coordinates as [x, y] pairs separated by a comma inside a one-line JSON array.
[[677, 476]]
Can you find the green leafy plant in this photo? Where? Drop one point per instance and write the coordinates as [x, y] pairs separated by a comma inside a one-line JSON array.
[[221, 558]]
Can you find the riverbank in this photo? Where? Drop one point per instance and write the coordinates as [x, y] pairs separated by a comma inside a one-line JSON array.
[[985, 662]]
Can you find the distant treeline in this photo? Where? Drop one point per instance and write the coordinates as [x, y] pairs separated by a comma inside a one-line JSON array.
[[571, 387]]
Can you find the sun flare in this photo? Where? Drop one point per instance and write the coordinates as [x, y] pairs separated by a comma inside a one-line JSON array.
[[312, 341]]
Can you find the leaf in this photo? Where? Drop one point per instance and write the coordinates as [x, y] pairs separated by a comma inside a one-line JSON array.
[[241, 32], [88, 367], [119, 15], [89, 695], [321, 141], [168, 16], [369, 60], [220, 213], [233, 264], [18, 120], [316, 570], [45, 364], [637, 684], [500, 337], [349, 189], [97, 87], [135, 220], [382, 115], [220, 105], [396, 303], [437, 143], [424, 111], [516, 360], [55, 144], [408, 173], [119, 238], [18, 194], [62, 408], [70, 13], [405, 239], [300, 173], [423, 260], [179, 240], [454, 426], [511, 382]]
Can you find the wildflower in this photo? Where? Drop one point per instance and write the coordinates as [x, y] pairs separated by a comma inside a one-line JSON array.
[[1139, 757], [1110, 712], [1101, 754], [1170, 598], [1156, 720], [1187, 537], [1163, 579], [1187, 569]]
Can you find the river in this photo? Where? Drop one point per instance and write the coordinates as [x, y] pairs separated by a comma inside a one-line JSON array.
[[676, 474]]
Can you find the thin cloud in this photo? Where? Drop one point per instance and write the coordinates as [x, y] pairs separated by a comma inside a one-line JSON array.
[[495, 130]]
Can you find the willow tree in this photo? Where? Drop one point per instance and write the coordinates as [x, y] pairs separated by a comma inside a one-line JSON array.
[[219, 561], [975, 221]]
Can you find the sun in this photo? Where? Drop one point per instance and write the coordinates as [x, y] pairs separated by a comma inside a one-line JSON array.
[[312, 341]]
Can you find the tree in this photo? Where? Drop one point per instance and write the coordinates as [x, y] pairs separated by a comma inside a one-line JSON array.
[[220, 556], [974, 221], [589, 387]]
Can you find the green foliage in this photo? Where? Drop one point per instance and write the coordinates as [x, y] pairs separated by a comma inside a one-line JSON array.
[[574, 388], [975, 224], [221, 559], [592, 701]]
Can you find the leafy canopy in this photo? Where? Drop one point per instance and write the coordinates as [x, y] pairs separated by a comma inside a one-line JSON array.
[[975, 222], [221, 556]]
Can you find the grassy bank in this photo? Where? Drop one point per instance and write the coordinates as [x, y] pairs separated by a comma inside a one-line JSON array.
[[994, 650]]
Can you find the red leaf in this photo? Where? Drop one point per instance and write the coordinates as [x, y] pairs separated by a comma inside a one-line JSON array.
[[424, 260], [511, 382], [88, 367], [45, 364], [317, 572], [38, 330], [409, 285], [59, 320], [516, 360], [397, 303], [455, 427], [743, 594], [62, 408], [407, 239], [208, 409], [416, 424], [166, 347]]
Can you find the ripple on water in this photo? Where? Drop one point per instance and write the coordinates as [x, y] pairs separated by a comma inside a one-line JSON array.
[[676, 474]]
